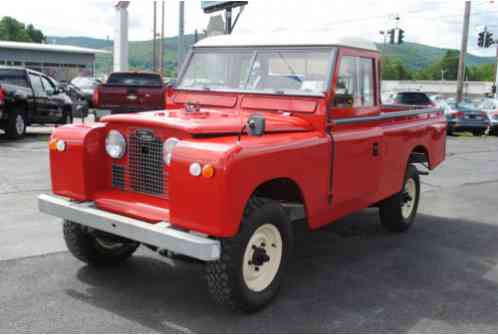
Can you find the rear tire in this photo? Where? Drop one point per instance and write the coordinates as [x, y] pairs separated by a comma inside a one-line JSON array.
[[16, 125], [97, 248], [249, 274], [398, 213]]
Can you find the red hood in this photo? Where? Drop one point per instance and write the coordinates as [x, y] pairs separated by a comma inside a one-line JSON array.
[[209, 121]]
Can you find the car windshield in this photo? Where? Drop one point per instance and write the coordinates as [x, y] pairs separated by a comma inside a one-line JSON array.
[[413, 99], [489, 105], [82, 82], [290, 72]]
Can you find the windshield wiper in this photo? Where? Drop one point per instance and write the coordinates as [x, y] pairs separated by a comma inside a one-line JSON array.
[[291, 69]]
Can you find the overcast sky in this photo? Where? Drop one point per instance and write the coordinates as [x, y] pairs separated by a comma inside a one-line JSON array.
[[433, 22]]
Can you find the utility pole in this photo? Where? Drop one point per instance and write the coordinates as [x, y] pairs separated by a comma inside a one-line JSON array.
[[154, 40], [463, 52], [495, 85], [161, 42], [181, 37]]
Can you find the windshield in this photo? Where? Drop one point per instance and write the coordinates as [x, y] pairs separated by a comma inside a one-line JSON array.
[[83, 82], [266, 71], [413, 99]]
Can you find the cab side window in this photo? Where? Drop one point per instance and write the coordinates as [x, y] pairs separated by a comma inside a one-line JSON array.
[[49, 87], [355, 83], [37, 85], [345, 91], [366, 67]]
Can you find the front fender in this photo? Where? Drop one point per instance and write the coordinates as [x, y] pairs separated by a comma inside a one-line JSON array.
[[215, 206]]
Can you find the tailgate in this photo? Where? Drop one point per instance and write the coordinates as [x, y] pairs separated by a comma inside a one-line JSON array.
[[130, 97]]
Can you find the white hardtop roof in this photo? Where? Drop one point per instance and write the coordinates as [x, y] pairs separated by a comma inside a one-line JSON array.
[[48, 47], [287, 39]]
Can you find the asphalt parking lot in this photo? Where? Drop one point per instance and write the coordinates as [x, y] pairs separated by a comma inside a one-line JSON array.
[[350, 277]]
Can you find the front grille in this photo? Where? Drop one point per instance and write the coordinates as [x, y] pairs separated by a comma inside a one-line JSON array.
[[118, 177], [145, 170]]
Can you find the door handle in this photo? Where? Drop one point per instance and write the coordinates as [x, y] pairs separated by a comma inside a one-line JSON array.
[[376, 150]]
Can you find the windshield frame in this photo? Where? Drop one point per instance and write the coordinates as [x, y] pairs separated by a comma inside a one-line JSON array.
[[255, 52]]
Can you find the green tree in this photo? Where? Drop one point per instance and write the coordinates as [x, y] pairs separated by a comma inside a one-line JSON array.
[[13, 30], [393, 69], [484, 72], [36, 35], [449, 63]]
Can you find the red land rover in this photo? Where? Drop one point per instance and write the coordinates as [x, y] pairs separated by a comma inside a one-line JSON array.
[[258, 131]]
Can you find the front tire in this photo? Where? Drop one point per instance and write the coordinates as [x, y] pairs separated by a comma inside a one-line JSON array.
[[398, 213], [16, 125], [97, 248], [249, 274]]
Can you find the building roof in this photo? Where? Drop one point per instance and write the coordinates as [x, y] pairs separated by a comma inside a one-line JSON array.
[[49, 47], [287, 39]]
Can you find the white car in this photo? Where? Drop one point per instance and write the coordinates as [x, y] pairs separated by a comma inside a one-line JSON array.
[[490, 107]]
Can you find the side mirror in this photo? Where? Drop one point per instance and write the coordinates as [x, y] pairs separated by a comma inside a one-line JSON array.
[[256, 125]]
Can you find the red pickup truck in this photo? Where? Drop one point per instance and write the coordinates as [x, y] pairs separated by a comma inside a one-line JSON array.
[[259, 132], [129, 92]]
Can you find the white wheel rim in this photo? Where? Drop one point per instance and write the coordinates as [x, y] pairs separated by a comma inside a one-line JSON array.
[[410, 192], [19, 124], [258, 277]]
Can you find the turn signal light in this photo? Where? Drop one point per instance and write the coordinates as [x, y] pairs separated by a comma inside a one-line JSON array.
[[208, 171], [52, 145], [57, 145]]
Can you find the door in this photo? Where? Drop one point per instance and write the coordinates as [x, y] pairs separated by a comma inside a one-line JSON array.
[[357, 146], [55, 102], [41, 111]]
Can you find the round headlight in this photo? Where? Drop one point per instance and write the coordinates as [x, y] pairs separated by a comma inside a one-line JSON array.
[[168, 148], [115, 144], [195, 169], [60, 146]]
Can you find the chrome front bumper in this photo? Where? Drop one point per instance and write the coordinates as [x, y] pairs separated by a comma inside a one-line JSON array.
[[161, 235]]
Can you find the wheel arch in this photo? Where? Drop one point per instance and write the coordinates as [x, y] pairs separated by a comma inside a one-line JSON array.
[[419, 154], [285, 190]]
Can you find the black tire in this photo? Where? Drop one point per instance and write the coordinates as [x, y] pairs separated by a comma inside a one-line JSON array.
[[478, 133], [225, 277], [85, 245], [391, 210], [16, 124]]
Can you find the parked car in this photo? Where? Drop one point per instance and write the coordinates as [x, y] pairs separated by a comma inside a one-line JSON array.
[[466, 117], [254, 136], [29, 97], [490, 107], [388, 97], [86, 86], [413, 99], [129, 92], [437, 99]]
